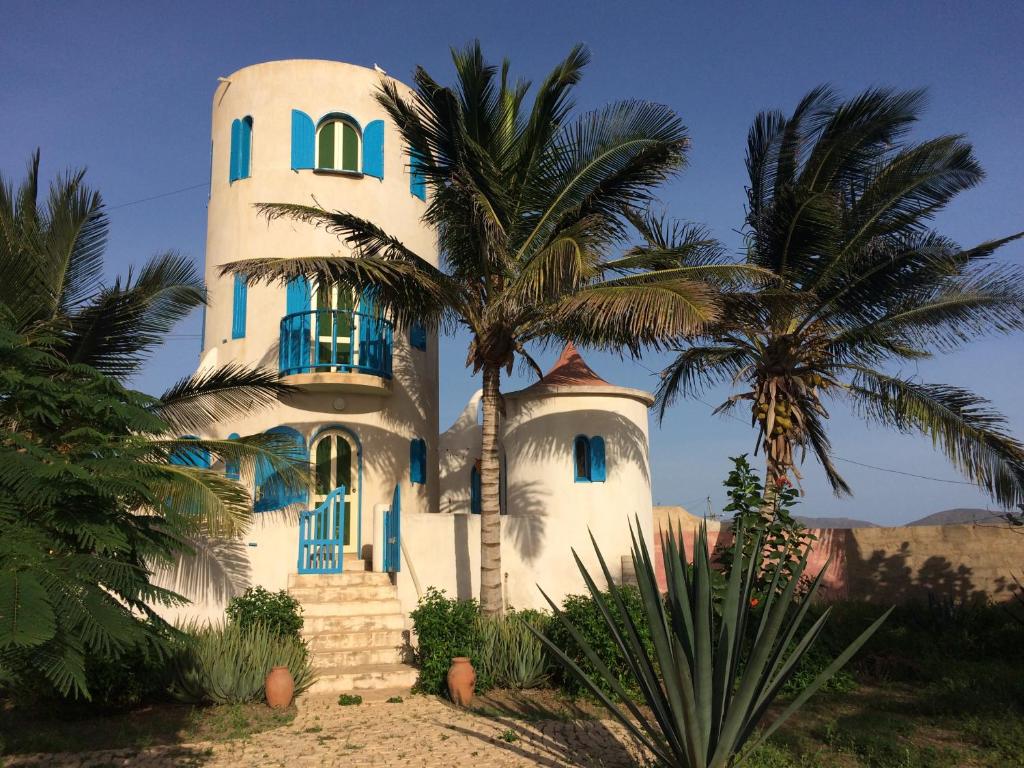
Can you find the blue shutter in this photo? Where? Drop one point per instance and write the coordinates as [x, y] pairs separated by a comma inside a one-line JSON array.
[[418, 460], [295, 341], [371, 337], [191, 457], [373, 149], [597, 471], [417, 182], [236, 140], [475, 491], [231, 469], [238, 308], [244, 148], [303, 135], [271, 492], [418, 336]]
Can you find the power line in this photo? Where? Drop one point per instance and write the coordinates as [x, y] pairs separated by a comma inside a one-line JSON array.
[[157, 197]]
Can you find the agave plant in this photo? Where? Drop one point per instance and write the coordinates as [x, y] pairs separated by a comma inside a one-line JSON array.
[[714, 669]]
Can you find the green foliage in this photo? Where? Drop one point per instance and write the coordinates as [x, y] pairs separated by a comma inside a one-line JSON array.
[[350, 699], [509, 654], [841, 199], [277, 611], [445, 628], [706, 678], [586, 617], [766, 522], [228, 663], [394, 700]]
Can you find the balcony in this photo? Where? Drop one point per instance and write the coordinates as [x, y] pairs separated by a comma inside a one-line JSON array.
[[336, 349]]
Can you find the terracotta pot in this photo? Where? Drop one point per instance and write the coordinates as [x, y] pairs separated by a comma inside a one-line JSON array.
[[461, 679], [280, 687]]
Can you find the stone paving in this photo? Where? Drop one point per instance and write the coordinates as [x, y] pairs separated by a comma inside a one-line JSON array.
[[421, 731]]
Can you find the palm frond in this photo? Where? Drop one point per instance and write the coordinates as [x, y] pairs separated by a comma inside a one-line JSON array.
[[972, 435], [697, 368], [197, 402]]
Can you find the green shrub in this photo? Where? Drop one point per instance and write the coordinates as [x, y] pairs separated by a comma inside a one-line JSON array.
[[138, 676], [445, 628], [510, 655], [228, 663], [277, 611], [584, 614], [350, 699]]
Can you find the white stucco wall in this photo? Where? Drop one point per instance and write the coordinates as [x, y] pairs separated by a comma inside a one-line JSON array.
[[549, 513], [383, 423]]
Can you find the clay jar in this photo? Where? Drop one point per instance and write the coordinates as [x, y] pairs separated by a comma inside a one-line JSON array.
[[461, 679], [280, 688]]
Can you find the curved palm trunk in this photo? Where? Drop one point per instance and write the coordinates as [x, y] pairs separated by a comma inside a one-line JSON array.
[[491, 603]]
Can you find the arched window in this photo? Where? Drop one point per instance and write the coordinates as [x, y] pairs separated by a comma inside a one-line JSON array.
[[588, 459], [271, 491], [337, 145], [581, 458], [475, 489], [241, 148]]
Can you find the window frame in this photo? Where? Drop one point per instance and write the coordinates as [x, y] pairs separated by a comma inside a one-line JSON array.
[[343, 119]]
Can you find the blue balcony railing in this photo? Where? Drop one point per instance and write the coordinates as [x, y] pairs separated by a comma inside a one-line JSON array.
[[335, 341]]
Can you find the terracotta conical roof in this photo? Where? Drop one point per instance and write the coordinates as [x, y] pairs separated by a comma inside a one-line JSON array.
[[570, 370]]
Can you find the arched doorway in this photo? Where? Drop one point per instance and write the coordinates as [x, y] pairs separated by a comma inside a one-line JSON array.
[[335, 456]]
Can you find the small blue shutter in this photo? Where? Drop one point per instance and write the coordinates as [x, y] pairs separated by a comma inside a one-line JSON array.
[[236, 140], [418, 460], [417, 182], [244, 148], [271, 492], [238, 308], [303, 135], [295, 342], [373, 149], [231, 469], [371, 336], [597, 471], [191, 457], [475, 491], [418, 336]]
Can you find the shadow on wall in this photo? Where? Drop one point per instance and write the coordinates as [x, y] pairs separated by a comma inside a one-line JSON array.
[[542, 438], [216, 570], [964, 563]]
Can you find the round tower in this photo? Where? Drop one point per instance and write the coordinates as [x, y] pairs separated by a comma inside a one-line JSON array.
[[575, 460], [312, 133]]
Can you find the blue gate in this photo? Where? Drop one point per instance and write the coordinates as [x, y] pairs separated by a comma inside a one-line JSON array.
[[393, 534], [321, 535]]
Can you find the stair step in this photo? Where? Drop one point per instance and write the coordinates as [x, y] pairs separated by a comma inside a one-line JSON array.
[[353, 608], [301, 580], [366, 677], [344, 641], [317, 625], [357, 657], [342, 593]]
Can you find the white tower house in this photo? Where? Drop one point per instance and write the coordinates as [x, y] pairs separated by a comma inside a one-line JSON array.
[[312, 132]]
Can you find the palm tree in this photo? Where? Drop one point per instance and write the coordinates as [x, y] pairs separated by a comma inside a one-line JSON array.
[[839, 209], [51, 256], [528, 205]]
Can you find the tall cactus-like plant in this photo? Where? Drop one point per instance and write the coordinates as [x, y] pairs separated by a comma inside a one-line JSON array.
[[714, 670]]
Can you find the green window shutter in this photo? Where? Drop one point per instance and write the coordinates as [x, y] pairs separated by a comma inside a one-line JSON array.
[[349, 148], [326, 146]]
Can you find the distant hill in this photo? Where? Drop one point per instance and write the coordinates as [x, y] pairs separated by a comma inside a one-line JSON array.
[[834, 522], [960, 516]]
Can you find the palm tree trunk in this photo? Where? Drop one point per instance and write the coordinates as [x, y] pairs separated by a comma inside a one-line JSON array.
[[778, 452], [490, 514]]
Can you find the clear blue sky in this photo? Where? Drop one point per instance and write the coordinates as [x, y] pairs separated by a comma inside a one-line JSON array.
[[125, 89]]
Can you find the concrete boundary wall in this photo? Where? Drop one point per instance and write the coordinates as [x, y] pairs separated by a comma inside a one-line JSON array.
[[893, 565]]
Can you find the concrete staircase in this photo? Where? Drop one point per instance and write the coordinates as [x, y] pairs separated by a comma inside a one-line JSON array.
[[353, 623]]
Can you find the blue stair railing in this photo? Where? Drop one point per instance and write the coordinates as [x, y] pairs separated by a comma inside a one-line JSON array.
[[322, 535], [393, 534]]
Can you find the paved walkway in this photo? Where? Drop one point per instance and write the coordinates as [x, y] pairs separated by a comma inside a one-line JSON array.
[[421, 731]]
